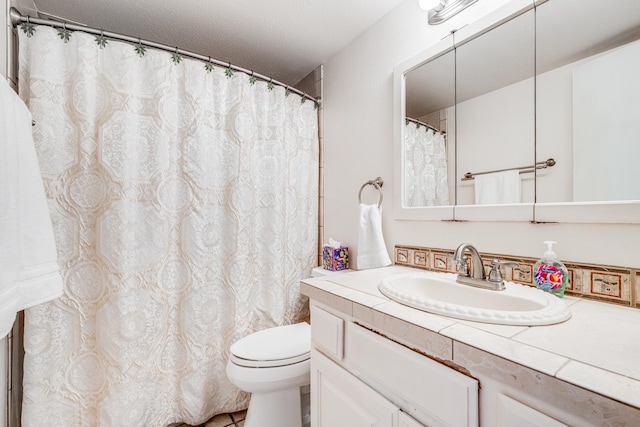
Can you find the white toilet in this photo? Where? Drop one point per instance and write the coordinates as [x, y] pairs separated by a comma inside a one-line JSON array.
[[274, 366]]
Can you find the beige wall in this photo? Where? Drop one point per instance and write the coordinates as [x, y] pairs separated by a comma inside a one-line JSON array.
[[358, 135], [4, 24], [8, 43], [3, 342]]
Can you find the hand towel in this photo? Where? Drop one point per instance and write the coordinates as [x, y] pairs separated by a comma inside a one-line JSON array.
[[372, 251], [29, 272], [498, 188]]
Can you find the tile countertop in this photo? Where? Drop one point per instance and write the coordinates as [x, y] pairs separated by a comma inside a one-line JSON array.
[[598, 348]]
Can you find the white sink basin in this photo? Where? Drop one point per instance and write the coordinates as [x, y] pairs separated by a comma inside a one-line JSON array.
[[439, 293]]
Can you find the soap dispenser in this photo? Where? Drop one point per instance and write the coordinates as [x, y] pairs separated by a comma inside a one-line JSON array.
[[550, 274]]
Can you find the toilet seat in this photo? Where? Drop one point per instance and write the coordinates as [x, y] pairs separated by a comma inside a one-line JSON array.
[[248, 363], [273, 347]]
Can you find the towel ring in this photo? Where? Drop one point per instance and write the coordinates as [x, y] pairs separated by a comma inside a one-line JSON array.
[[377, 183]]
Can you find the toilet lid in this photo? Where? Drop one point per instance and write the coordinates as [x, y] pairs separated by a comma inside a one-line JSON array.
[[279, 346]]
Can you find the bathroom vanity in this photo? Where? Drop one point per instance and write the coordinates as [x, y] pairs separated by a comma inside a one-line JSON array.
[[379, 363]]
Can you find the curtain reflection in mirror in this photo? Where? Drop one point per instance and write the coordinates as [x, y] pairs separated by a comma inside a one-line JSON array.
[[425, 166]]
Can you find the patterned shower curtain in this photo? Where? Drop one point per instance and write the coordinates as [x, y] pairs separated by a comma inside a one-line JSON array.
[[425, 167], [184, 203]]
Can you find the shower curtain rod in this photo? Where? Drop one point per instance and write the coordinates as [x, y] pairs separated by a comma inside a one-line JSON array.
[[17, 18], [427, 125]]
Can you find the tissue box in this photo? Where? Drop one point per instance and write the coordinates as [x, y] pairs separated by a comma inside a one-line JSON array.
[[335, 259]]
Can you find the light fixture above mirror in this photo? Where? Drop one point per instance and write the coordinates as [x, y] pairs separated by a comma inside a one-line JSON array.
[[441, 10]]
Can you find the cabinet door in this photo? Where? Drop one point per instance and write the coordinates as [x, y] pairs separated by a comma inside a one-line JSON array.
[[338, 399], [513, 413], [438, 395]]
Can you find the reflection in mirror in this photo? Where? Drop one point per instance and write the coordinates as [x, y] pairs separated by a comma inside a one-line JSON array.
[[428, 153], [495, 114], [588, 100]]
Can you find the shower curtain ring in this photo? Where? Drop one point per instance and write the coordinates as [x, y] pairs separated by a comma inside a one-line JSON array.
[[28, 19]]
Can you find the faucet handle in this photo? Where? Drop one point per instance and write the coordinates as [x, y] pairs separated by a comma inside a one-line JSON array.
[[463, 268], [495, 275]]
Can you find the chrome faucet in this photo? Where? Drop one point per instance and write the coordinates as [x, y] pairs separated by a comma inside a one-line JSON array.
[[477, 269], [477, 277]]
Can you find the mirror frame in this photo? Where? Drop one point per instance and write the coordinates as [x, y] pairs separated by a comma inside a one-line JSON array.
[[627, 212]]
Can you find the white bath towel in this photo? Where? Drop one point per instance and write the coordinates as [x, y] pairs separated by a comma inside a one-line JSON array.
[[372, 251], [498, 188], [29, 271]]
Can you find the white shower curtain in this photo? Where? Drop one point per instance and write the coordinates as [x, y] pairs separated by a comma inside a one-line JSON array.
[[184, 204], [425, 167]]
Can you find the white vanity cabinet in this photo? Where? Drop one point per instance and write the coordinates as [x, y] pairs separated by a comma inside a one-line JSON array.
[[341, 400], [360, 378], [377, 363], [344, 400], [510, 413]]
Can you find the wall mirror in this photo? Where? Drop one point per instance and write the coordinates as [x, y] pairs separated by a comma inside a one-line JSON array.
[[428, 144], [495, 114], [528, 87], [424, 116], [587, 110]]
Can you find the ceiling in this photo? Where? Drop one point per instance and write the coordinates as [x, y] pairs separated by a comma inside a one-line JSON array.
[[282, 39]]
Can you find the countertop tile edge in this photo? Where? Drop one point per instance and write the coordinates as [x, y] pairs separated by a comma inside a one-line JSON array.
[[607, 383], [522, 354]]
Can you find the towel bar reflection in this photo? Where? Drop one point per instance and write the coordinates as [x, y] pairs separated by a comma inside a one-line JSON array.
[[377, 183], [523, 169]]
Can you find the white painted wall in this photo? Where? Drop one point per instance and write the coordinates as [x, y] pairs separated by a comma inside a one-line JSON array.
[[554, 134], [358, 135], [4, 363], [606, 126], [498, 129]]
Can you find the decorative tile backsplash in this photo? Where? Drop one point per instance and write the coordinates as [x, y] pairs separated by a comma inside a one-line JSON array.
[[604, 283]]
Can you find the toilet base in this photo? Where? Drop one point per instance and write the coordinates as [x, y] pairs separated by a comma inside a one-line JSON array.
[[279, 408]]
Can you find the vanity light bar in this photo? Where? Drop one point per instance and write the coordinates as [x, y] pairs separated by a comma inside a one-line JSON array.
[[448, 9]]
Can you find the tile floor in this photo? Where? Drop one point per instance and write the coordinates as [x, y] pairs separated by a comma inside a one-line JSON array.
[[223, 420]]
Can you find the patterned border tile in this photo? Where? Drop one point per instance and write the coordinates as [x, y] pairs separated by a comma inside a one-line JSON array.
[[604, 283], [523, 273], [420, 258], [440, 261], [608, 285], [636, 294], [402, 256]]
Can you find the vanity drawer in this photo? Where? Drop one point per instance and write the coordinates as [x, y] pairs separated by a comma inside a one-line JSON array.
[[327, 332], [428, 391]]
